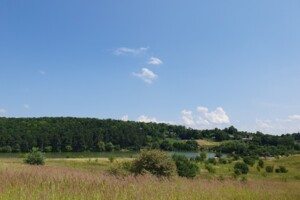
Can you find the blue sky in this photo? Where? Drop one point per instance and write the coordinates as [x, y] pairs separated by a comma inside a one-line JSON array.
[[202, 64]]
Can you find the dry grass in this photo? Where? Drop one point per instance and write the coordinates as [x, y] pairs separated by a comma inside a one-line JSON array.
[[19, 181], [205, 143]]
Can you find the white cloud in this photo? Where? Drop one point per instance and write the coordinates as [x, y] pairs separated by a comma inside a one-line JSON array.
[[205, 119], [146, 75], [154, 61], [130, 51], [294, 117], [26, 106], [217, 116], [124, 118], [2, 112], [264, 124], [187, 117], [143, 118]]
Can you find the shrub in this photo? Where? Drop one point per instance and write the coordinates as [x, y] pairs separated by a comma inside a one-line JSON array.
[[68, 148], [281, 169], [119, 169], [6, 149], [48, 149], [109, 147], [111, 159], [240, 168], [269, 169], [210, 168], [185, 167], [261, 163], [35, 157], [249, 161], [203, 156], [212, 161], [154, 161], [222, 161]]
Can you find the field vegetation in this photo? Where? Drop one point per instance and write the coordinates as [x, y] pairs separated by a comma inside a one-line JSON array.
[[93, 178]]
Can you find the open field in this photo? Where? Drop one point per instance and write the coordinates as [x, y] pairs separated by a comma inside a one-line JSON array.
[[87, 178], [208, 144]]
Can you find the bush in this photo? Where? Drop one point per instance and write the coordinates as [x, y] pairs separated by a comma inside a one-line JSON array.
[[212, 161], [154, 161], [35, 157], [6, 149], [203, 156], [222, 161], [210, 168], [240, 168], [281, 169], [261, 163], [48, 149], [249, 161], [185, 167], [269, 169]]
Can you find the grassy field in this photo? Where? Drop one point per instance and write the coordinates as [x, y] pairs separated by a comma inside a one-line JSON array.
[[87, 178]]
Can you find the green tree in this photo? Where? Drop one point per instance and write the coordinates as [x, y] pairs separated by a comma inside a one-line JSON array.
[[155, 162], [35, 157], [241, 168], [185, 167]]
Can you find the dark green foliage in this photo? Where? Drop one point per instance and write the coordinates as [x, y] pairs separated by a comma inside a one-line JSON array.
[[6, 149], [166, 145], [218, 154], [241, 168], [210, 168], [185, 167], [109, 147], [261, 163], [281, 169], [48, 149], [203, 156], [211, 161], [155, 162], [88, 134], [35, 157], [222, 161], [269, 169], [249, 161]]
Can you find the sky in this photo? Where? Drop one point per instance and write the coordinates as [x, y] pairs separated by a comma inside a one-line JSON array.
[[202, 64]]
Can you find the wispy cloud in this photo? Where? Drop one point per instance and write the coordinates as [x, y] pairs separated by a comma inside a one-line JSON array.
[[42, 72], [146, 75], [154, 61], [144, 118], [2, 112], [205, 119], [26, 106], [124, 118], [130, 51], [289, 124]]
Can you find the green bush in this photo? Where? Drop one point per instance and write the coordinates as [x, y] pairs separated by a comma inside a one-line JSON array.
[[155, 162], [210, 168], [269, 169], [241, 168], [185, 167], [261, 163], [249, 161], [281, 169], [35, 157], [211, 161], [222, 161], [203, 156]]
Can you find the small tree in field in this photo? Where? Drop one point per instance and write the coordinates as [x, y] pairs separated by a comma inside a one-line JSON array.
[[154, 161], [35, 157], [241, 168]]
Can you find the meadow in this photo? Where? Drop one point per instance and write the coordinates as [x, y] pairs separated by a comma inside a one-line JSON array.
[[88, 178]]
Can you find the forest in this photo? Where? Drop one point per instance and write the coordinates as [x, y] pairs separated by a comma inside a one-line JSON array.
[[68, 134]]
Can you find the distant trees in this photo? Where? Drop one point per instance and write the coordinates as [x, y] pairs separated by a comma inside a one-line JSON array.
[[87, 134]]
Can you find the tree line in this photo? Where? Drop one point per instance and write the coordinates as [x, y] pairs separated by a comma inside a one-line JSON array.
[[64, 134]]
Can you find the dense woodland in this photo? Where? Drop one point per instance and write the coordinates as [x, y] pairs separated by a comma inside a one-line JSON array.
[[65, 134]]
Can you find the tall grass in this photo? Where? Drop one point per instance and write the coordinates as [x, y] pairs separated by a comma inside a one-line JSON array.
[[19, 181]]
